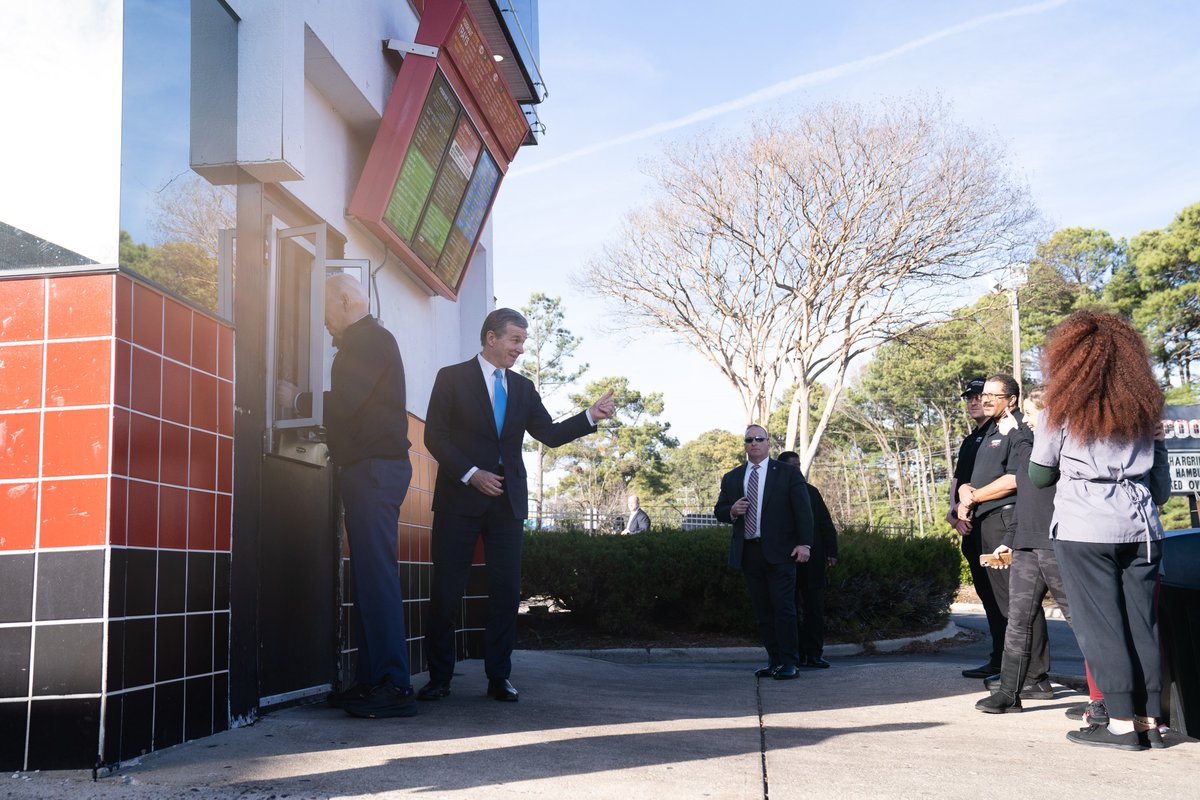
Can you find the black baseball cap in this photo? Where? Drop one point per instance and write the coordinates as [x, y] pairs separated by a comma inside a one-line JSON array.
[[973, 387]]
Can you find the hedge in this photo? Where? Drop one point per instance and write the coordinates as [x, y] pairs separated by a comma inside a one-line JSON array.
[[678, 581]]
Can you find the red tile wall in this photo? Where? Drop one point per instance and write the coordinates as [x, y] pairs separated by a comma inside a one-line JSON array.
[[56, 367], [173, 399]]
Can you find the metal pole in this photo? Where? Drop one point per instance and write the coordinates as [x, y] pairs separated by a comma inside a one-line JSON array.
[[1016, 335]]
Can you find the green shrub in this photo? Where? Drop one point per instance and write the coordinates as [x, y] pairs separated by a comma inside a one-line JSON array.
[[678, 580]]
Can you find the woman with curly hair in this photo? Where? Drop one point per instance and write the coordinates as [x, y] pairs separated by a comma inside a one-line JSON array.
[[1098, 440]]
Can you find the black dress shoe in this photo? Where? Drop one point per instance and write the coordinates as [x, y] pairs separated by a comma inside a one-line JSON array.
[[786, 673], [988, 670], [352, 694], [502, 690], [768, 671], [383, 701], [436, 689], [815, 662]]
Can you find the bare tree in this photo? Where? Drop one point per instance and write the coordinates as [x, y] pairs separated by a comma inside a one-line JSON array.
[[811, 241], [190, 209]]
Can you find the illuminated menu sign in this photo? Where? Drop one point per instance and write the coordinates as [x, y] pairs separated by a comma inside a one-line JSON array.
[[448, 134], [445, 186]]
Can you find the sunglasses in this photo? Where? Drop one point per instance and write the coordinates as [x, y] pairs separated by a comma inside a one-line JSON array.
[[750, 439]]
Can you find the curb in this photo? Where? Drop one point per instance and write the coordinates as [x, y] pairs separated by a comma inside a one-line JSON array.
[[1052, 612], [725, 655]]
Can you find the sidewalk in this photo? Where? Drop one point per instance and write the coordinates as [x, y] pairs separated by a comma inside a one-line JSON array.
[[871, 726]]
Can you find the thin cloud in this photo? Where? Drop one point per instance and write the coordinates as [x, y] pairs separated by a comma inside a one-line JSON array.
[[790, 85]]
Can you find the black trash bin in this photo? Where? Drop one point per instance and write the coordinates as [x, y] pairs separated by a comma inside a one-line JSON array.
[[1179, 629]]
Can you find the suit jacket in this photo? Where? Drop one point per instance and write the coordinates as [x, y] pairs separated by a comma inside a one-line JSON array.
[[460, 433], [825, 535], [639, 521], [785, 519]]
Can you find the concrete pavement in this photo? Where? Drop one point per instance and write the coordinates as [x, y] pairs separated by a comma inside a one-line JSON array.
[[872, 726]]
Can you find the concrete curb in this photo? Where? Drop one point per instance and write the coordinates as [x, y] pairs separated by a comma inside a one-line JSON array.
[[722, 655], [1052, 612]]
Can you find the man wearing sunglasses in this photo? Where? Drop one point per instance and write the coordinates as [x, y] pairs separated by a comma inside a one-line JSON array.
[[767, 503]]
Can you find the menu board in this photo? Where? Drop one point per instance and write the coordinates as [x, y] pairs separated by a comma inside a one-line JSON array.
[[474, 61], [445, 185]]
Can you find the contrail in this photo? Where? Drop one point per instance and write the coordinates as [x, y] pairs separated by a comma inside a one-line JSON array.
[[790, 85]]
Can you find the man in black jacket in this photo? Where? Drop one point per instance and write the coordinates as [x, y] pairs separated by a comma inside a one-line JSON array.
[[367, 426], [810, 576], [479, 412], [772, 531]]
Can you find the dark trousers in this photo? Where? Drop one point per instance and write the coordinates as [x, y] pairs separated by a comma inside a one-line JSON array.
[[453, 546], [1033, 573], [810, 606], [1111, 587], [372, 491], [991, 530], [772, 589]]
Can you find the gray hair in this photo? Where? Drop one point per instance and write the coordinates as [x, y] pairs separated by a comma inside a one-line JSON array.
[[500, 319]]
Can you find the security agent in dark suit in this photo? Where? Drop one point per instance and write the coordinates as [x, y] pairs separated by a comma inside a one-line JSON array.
[[768, 504], [810, 576], [479, 412]]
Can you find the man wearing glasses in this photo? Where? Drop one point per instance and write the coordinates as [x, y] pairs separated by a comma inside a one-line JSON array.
[[988, 502], [768, 505]]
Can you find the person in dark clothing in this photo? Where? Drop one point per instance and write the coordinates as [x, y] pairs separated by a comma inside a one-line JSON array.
[[479, 413], [639, 520], [1034, 572], [768, 506], [810, 576], [366, 421]]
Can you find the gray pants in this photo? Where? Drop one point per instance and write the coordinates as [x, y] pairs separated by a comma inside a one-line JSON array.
[[1033, 573]]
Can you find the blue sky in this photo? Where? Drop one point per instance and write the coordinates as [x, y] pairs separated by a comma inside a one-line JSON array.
[[1096, 102]]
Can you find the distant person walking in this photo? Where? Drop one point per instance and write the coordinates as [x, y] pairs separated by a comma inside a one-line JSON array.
[[811, 578], [639, 520]]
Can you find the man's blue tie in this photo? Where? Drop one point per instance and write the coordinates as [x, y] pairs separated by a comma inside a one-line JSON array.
[[500, 401]]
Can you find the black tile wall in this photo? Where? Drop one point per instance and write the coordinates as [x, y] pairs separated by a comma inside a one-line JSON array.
[[64, 733], [70, 584], [221, 581], [172, 577], [67, 659], [141, 582], [16, 576], [137, 723], [112, 728], [200, 582], [168, 649], [138, 656], [116, 656], [198, 710], [198, 650], [220, 702], [168, 714], [13, 717], [14, 661], [221, 641], [118, 559]]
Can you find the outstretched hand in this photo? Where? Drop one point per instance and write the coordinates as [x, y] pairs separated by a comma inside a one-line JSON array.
[[603, 408]]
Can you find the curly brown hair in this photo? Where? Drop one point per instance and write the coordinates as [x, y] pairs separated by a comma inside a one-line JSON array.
[[1099, 382]]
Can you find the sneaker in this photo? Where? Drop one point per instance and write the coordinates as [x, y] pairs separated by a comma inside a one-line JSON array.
[[1032, 690], [1096, 713], [382, 701], [1152, 738], [1101, 736], [988, 670], [1076, 711]]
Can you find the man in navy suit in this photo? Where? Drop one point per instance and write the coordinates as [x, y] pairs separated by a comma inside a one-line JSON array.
[[768, 504], [479, 412]]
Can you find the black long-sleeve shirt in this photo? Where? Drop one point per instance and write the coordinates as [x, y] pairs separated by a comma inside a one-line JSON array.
[[365, 412]]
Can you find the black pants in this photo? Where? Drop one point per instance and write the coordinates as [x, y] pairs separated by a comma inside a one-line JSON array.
[[453, 546], [1111, 587], [772, 589], [810, 606], [1033, 573]]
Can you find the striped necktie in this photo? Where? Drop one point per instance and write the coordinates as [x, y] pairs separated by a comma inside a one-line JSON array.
[[751, 530]]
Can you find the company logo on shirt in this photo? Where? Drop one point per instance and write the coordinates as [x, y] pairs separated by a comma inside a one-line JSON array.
[[995, 442]]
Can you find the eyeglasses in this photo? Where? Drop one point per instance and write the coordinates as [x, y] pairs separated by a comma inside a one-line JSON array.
[[750, 439], [990, 396]]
